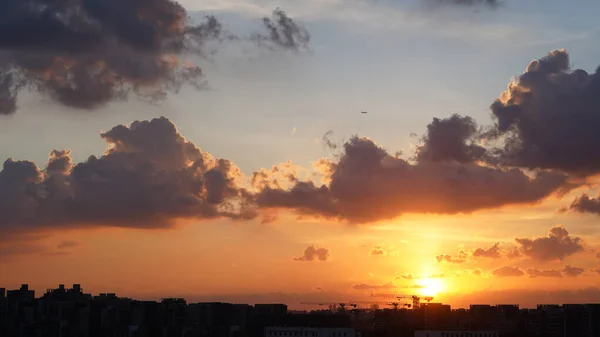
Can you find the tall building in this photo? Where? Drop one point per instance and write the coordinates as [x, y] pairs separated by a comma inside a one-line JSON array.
[[582, 320], [310, 332]]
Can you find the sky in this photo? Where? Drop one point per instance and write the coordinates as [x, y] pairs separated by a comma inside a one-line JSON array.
[[268, 184]]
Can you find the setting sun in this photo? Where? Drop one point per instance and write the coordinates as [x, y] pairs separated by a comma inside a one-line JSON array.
[[432, 287]]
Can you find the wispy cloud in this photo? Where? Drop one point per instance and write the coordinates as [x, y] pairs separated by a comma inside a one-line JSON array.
[[377, 17]]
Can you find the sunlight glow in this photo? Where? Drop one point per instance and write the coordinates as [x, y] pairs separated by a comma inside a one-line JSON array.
[[432, 287]]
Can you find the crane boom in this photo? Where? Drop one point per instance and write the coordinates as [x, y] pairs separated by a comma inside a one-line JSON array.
[[415, 298]]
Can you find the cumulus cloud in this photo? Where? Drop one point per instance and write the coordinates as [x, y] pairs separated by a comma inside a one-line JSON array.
[[556, 246], [451, 139], [533, 273], [547, 117], [584, 204], [84, 54], [149, 177], [508, 271], [366, 184], [493, 252], [311, 253], [572, 271], [363, 286], [461, 257]]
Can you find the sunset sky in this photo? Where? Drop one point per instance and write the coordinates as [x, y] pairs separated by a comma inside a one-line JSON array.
[[269, 185]]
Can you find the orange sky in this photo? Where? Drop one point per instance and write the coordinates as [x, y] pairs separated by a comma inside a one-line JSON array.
[[251, 261]]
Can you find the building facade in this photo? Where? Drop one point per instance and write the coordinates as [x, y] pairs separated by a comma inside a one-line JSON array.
[[430, 333], [309, 332]]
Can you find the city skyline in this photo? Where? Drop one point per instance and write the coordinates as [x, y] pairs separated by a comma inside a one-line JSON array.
[[472, 176]]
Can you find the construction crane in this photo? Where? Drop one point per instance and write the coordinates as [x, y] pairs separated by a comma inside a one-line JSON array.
[[394, 304], [342, 305], [416, 300]]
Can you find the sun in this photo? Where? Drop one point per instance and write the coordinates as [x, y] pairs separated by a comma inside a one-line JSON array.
[[432, 287]]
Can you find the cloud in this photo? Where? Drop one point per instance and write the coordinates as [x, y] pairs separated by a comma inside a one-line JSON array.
[[363, 286], [314, 254], [85, 54], [283, 33], [437, 276], [508, 271], [513, 253], [572, 271], [460, 258], [556, 246], [584, 204], [367, 184], [493, 252], [547, 117], [407, 277], [451, 139], [67, 244], [149, 177], [467, 3], [380, 251], [533, 273], [476, 272], [377, 251]]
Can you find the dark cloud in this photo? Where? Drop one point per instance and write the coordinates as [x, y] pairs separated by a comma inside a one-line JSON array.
[[149, 177], [86, 53], [533, 273], [493, 252], [508, 271], [451, 139], [311, 253], [67, 244], [363, 286], [584, 204], [572, 271], [460, 258], [556, 246], [548, 117], [367, 184]]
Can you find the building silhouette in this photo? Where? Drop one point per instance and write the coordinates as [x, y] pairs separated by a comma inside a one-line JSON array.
[[69, 312]]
